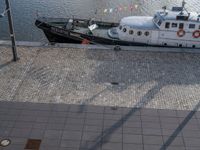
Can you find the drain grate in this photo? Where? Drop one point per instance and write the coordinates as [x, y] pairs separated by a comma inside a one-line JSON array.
[[114, 83], [33, 144]]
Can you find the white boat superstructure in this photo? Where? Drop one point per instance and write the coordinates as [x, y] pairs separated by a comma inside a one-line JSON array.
[[176, 27]]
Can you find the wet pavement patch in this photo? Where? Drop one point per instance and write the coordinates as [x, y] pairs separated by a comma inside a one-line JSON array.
[[33, 144]]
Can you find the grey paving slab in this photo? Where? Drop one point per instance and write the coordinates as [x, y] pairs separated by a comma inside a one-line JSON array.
[[46, 142], [169, 132], [153, 139], [191, 133], [178, 141], [189, 142], [152, 125], [132, 138], [148, 146], [14, 147], [16, 132], [113, 138], [167, 113], [53, 134], [110, 146], [94, 115], [132, 125], [60, 107], [192, 148], [8, 124], [70, 144], [93, 136], [151, 131], [74, 127], [37, 133], [149, 112], [95, 109], [150, 119], [176, 148], [76, 115], [39, 125], [72, 135], [132, 131], [169, 120], [85, 145], [55, 126], [96, 122], [5, 131], [23, 125], [90, 128], [128, 146]]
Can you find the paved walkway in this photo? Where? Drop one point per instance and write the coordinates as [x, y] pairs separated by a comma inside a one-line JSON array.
[[105, 100], [76, 127]]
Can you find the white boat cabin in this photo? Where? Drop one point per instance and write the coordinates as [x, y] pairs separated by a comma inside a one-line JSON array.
[[175, 27]]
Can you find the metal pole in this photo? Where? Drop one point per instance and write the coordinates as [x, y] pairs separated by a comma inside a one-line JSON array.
[[12, 34]]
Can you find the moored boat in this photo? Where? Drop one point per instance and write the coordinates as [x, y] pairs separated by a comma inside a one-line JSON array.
[[173, 28]]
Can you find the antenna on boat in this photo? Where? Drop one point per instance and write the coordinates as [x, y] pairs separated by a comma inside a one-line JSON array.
[[164, 8], [183, 7]]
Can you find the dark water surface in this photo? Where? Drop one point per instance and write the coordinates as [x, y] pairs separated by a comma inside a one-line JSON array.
[[25, 12]]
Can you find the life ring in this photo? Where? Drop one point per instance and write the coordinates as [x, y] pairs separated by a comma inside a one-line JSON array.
[[196, 34], [181, 33]]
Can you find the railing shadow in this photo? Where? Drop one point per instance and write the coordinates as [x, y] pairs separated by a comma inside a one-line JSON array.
[[108, 132], [83, 105], [173, 136]]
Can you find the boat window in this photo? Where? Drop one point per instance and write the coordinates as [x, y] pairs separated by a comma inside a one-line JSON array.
[[131, 32], [181, 25], [167, 25], [120, 27], [124, 29], [174, 25], [146, 33], [191, 26], [139, 33]]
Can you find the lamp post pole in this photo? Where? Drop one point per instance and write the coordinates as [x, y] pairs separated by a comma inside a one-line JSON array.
[[12, 34]]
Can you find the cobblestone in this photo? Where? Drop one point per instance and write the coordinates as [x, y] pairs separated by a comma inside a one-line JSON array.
[[83, 76]]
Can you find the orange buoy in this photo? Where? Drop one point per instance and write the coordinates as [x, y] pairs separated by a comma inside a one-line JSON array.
[[196, 34], [181, 33]]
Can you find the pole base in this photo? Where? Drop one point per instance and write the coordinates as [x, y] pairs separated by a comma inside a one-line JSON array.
[[16, 59]]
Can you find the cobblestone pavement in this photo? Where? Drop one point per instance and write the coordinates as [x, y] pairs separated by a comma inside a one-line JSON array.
[[101, 77]]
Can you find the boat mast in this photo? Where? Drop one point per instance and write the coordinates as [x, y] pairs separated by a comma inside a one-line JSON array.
[[183, 8]]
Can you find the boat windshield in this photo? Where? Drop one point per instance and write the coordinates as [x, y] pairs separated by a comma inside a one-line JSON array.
[[157, 20]]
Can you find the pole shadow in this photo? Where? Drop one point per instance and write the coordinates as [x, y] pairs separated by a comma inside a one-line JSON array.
[[5, 64], [181, 126]]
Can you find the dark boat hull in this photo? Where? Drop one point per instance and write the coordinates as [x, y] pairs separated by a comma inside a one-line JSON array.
[[59, 35]]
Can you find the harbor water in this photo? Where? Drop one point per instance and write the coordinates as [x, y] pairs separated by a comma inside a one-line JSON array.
[[25, 12]]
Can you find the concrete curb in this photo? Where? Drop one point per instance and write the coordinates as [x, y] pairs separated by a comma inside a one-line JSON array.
[[102, 47]]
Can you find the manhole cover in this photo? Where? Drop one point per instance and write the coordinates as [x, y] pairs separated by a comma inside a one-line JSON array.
[[5, 142], [33, 144]]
